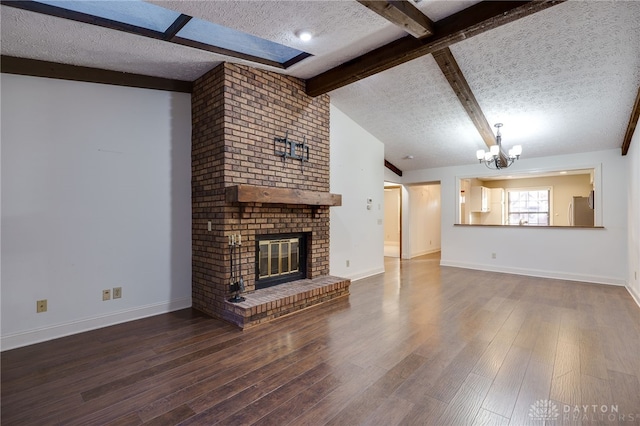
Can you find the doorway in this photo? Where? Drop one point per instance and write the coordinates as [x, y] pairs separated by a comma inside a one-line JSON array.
[[392, 222], [423, 222]]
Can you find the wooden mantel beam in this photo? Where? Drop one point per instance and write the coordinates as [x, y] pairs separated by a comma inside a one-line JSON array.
[[469, 22], [270, 195], [631, 127], [403, 14]]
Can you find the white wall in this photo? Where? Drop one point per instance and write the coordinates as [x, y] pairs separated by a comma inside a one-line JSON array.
[[424, 220], [96, 194], [357, 234], [633, 195], [390, 176], [392, 216], [592, 255]]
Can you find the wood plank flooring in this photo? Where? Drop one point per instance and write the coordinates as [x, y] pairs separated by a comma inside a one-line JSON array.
[[420, 344]]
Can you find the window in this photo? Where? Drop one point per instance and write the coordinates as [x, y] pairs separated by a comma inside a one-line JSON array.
[[528, 207]]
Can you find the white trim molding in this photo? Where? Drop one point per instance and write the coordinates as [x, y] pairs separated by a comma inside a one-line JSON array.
[[538, 273], [30, 337], [634, 295], [366, 274]]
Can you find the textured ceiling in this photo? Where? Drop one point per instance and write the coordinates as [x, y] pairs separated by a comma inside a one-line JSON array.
[[421, 115], [35, 36], [559, 84], [562, 80]]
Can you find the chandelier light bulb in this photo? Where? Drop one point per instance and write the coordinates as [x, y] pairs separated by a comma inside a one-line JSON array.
[[495, 158]]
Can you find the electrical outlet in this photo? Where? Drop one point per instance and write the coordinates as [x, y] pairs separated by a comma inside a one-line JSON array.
[[41, 306], [348, 263], [493, 255], [117, 292], [106, 294]]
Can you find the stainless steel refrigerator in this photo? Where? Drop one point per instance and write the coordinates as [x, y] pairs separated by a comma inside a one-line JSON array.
[[580, 213]]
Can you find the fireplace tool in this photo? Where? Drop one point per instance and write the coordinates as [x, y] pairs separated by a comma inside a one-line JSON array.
[[236, 280]]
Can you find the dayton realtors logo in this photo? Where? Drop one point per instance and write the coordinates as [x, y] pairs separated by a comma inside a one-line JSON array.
[[543, 409], [546, 410]]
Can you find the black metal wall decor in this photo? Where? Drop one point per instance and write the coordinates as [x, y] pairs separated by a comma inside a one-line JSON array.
[[291, 149]]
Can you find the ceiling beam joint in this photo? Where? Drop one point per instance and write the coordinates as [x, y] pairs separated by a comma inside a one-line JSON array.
[[403, 14], [474, 20]]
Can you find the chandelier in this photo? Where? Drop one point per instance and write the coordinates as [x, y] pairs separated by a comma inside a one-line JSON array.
[[495, 158]]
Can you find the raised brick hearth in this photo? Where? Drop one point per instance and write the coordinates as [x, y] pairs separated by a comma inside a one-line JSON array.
[[273, 302], [237, 111]]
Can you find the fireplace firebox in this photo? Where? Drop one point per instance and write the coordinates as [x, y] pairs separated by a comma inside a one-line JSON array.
[[280, 258]]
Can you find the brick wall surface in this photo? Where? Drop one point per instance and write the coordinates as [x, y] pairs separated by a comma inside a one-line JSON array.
[[237, 111]]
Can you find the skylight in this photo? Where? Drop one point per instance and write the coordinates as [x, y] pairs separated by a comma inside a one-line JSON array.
[[227, 38], [132, 12], [149, 20]]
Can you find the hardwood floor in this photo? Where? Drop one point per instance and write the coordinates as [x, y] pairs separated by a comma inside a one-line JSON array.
[[421, 344]]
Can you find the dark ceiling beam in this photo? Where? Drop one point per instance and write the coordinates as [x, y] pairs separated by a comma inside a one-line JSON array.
[[631, 127], [452, 72], [474, 20], [175, 28], [37, 68], [393, 168], [403, 14]]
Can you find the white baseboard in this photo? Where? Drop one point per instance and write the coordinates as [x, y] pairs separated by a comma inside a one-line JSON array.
[[537, 273], [634, 294], [367, 274], [30, 337], [422, 253]]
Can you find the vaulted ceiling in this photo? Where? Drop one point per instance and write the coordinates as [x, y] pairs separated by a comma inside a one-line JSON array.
[[562, 77]]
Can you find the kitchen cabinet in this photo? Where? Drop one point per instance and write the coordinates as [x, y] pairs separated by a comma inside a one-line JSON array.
[[480, 199], [496, 213]]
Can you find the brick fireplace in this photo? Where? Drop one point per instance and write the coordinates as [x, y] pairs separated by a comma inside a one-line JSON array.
[[242, 186]]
